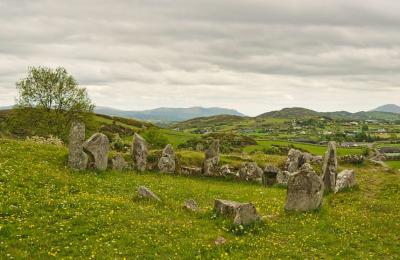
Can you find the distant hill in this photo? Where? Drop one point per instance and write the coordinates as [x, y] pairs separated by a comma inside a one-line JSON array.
[[299, 112], [204, 122], [292, 112], [6, 107], [391, 108], [166, 114]]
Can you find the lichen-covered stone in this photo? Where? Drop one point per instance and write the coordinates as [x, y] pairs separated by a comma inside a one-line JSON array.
[[119, 163], [191, 205], [77, 158], [211, 161], [239, 213], [250, 171], [345, 179], [167, 161], [145, 192], [329, 169], [98, 146], [305, 190], [139, 152]]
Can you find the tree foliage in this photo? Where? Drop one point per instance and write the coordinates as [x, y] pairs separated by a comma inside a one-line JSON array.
[[48, 100], [52, 89]]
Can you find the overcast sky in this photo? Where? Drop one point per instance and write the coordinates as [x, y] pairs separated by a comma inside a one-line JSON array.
[[251, 55]]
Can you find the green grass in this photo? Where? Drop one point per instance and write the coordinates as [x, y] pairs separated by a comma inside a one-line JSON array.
[[47, 210], [393, 164], [314, 149]]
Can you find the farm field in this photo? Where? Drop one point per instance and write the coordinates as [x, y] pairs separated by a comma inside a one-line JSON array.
[[314, 149], [48, 211]]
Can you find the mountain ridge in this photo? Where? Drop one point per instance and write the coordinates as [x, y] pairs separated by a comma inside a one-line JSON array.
[[168, 114], [391, 108]]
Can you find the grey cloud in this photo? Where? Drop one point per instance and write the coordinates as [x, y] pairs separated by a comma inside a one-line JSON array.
[[253, 55]]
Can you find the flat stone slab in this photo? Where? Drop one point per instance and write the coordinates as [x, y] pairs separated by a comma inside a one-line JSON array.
[[145, 192]]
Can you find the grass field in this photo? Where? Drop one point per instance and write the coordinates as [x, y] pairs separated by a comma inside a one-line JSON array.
[[314, 149], [393, 164], [47, 210]]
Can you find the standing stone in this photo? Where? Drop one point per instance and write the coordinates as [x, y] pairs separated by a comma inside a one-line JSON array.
[[294, 160], [282, 177], [345, 179], [250, 172], [211, 161], [239, 213], [305, 190], [119, 163], [98, 146], [167, 161], [139, 152], [77, 158], [330, 167], [297, 158], [269, 176]]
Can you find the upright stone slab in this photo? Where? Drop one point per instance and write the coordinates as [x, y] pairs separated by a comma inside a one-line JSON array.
[[77, 158], [305, 190], [282, 177], [250, 171], [345, 179], [139, 152], [270, 174], [330, 167], [211, 161], [297, 158], [239, 213], [167, 161], [294, 160], [98, 146], [119, 163]]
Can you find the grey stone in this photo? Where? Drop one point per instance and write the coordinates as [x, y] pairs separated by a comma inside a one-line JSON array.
[[294, 160], [239, 213], [225, 170], [330, 167], [211, 161], [345, 179], [167, 161], [119, 163], [191, 170], [297, 158], [220, 241], [145, 192], [270, 174], [250, 171], [98, 146], [139, 152], [77, 158], [305, 190], [191, 205], [282, 177]]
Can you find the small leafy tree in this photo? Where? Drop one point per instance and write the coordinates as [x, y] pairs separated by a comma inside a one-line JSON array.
[[48, 100], [53, 89]]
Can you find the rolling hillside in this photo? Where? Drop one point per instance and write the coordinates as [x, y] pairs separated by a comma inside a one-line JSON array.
[[164, 114]]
